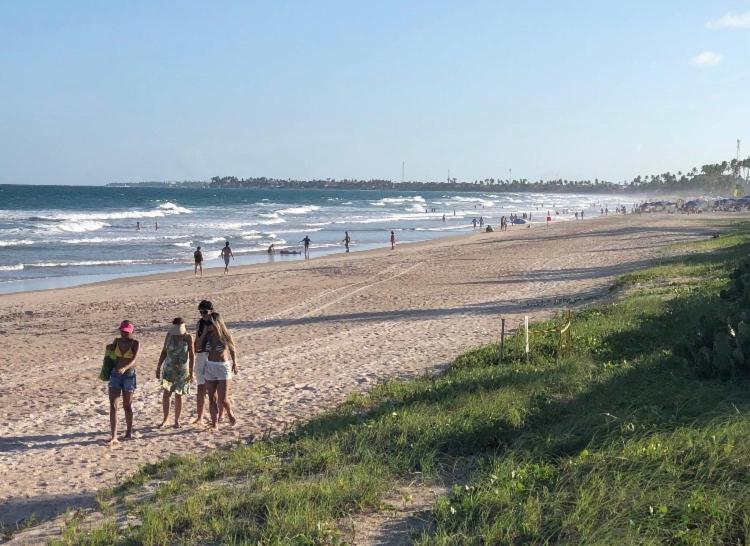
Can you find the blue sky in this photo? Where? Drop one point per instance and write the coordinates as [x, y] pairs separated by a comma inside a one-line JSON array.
[[94, 92]]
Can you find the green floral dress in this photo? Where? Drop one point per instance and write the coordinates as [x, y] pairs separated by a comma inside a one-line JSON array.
[[174, 372]]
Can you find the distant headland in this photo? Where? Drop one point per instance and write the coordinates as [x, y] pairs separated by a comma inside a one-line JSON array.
[[725, 178]]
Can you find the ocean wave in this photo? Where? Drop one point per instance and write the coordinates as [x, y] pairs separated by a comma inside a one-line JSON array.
[[397, 201], [186, 244], [305, 209], [16, 267], [165, 209], [92, 263], [18, 242], [268, 222], [76, 226]]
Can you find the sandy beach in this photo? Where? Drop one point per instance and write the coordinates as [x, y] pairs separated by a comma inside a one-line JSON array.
[[308, 333]]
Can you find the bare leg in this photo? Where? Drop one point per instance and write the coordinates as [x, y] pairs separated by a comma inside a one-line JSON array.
[[223, 391], [201, 403], [213, 407], [114, 394], [127, 405], [201, 268], [165, 394], [177, 409]]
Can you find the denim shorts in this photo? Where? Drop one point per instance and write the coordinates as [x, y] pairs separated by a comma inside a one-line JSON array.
[[124, 381]]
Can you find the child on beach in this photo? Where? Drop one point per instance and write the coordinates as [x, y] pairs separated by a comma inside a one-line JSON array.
[[122, 380], [178, 358], [393, 240]]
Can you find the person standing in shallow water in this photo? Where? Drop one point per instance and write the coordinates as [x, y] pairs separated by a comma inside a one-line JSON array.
[[306, 242], [226, 253], [393, 240], [122, 380], [347, 240], [175, 369]]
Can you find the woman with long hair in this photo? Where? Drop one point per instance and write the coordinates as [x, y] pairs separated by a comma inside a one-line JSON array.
[[122, 380], [218, 343], [178, 358]]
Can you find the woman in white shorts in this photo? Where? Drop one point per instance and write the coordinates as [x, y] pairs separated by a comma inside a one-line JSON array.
[[218, 372], [204, 308]]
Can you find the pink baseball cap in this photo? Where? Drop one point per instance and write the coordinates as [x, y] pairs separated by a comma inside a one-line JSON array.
[[127, 327]]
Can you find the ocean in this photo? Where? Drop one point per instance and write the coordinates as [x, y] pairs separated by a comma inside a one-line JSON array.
[[56, 236]]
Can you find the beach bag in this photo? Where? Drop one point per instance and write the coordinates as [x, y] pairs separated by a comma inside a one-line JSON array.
[[109, 361]]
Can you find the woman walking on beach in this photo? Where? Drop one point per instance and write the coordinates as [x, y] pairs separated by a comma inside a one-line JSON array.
[[205, 307], [393, 240], [219, 345], [178, 359], [122, 380]]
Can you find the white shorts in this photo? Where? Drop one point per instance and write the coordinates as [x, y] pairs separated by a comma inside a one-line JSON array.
[[200, 367], [218, 371]]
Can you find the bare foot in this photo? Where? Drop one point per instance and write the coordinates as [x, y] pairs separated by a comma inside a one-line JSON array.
[[177, 425], [161, 425], [128, 436], [197, 420], [232, 420], [113, 442]]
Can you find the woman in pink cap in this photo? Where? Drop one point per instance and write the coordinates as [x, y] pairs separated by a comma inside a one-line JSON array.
[[122, 380]]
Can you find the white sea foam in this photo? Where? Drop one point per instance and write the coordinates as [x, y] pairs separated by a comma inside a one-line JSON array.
[[398, 201], [91, 263], [305, 209], [76, 226], [165, 209], [16, 267], [18, 242]]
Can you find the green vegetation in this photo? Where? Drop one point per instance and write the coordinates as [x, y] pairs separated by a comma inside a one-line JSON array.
[[621, 442], [725, 178]]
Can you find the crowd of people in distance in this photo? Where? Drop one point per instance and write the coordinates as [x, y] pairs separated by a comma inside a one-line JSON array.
[[209, 360]]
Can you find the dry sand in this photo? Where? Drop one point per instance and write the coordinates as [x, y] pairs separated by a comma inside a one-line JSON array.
[[308, 332]]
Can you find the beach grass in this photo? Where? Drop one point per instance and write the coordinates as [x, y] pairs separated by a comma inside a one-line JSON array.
[[616, 442]]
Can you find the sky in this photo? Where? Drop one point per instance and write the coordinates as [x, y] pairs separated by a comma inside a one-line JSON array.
[[96, 92]]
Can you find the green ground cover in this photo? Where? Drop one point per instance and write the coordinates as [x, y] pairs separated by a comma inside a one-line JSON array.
[[619, 442]]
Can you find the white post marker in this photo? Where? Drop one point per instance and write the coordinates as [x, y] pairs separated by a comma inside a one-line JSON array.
[[526, 327]]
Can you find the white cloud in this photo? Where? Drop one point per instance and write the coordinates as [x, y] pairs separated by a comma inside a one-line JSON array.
[[731, 20], [707, 58]]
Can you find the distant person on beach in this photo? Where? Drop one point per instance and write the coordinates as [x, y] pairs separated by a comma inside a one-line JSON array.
[[198, 257], [271, 249], [581, 215], [576, 213], [122, 380], [138, 226], [175, 369], [156, 226], [474, 222], [218, 343], [307, 242], [443, 218], [205, 307], [347, 240], [549, 218], [226, 253], [393, 240], [481, 221]]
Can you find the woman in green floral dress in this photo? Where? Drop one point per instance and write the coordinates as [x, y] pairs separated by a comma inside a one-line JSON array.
[[177, 358]]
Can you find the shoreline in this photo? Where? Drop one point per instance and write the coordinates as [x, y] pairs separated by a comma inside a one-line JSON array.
[[308, 334], [283, 260]]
